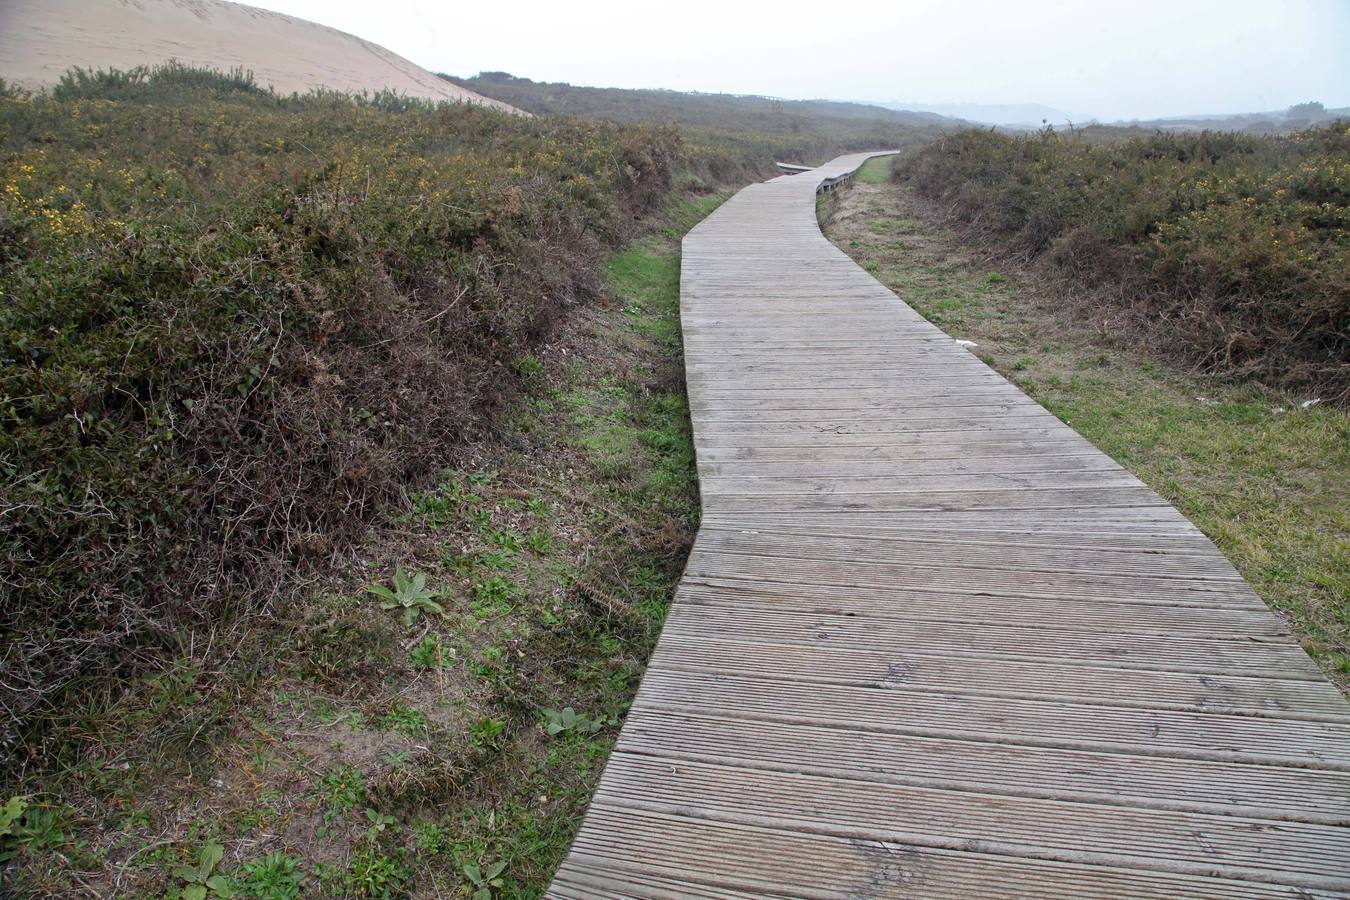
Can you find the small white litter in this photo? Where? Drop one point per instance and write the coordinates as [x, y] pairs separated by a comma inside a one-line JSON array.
[[967, 344], [1309, 404]]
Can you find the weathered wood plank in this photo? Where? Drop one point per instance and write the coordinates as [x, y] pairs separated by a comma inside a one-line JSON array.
[[988, 766], [751, 656], [1291, 853], [624, 846]]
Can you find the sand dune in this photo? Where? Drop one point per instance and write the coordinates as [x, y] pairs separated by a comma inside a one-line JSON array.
[[40, 39]]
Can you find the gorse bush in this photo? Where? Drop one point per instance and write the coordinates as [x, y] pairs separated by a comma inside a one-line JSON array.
[[233, 324], [144, 81], [1233, 248]]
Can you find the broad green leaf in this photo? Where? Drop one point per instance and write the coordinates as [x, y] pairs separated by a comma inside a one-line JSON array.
[[211, 856], [220, 885], [381, 591], [11, 812]]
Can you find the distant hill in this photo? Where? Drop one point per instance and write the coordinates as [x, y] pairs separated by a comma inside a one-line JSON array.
[[41, 39], [1295, 118], [1009, 115], [1033, 115], [810, 127]]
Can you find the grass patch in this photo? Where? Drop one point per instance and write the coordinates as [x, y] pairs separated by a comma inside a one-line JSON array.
[[876, 170], [1262, 476]]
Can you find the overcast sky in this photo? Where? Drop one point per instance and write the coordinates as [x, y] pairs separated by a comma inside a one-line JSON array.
[[1110, 58]]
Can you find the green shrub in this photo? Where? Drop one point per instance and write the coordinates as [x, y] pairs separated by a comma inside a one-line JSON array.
[[1233, 246], [233, 325], [143, 82]]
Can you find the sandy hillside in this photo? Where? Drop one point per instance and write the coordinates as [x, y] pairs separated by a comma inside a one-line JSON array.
[[40, 39]]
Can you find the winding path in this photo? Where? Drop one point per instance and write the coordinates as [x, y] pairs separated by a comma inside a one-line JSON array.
[[931, 642]]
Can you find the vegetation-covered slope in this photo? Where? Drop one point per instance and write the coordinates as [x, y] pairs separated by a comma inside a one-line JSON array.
[[1232, 250], [721, 128], [232, 325], [1298, 117]]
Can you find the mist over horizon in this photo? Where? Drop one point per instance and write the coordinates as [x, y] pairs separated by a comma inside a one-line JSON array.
[[1148, 60]]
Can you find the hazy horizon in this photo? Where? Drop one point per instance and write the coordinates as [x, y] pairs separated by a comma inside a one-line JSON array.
[[1149, 59]]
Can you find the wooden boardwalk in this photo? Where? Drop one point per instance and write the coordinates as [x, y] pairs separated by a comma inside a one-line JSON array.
[[931, 642]]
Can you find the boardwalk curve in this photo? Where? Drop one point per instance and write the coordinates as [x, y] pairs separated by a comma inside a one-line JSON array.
[[930, 642]]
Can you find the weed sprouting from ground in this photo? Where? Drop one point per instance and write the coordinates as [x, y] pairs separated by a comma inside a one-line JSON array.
[[409, 595], [276, 876]]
